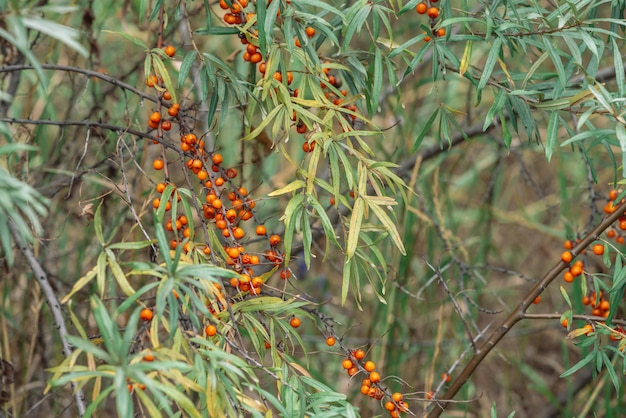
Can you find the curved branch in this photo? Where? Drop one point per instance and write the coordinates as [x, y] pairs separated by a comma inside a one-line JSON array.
[[90, 73], [54, 305]]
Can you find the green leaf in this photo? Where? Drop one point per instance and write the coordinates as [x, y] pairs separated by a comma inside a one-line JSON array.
[[65, 34], [119, 275], [389, 226], [556, 60], [551, 134], [582, 363], [97, 224], [490, 63], [620, 133], [356, 218], [130, 38], [618, 63], [566, 296], [377, 81], [160, 70], [80, 283], [186, 66]]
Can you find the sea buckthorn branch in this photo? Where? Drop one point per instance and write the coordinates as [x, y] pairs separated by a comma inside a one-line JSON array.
[[88, 124], [587, 318], [90, 73], [55, 307], [520, 311]]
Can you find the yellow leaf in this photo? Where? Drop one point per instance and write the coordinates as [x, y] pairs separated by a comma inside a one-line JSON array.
[[82, 282]]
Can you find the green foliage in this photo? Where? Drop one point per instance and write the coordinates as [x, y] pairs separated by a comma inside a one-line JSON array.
[[21, 206], [417, 172]]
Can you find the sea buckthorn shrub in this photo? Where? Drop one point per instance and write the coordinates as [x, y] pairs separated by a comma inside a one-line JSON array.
[[296, 208]]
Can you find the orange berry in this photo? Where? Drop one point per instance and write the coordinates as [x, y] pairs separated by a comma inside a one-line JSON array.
[[210, 330], [274, 240], [172, 111], [161, 187], [369, 366], [605, 305], [374, 377], [295, 322], [330, 341], [564, 323], [566, 257], [167, 96], [611, 233], [397, 397], [166, 125], [285, 274], [433, 12], [620, 240], [217, 204], [256, 58], [568, 277], [352, 371], [261, 230], [347, 364], [598, 249], [568, 245], [257, 282], [576, 270], [421, 8], [233, 252], [310, 32], [296, 42], [586, 300], [170, 51], [609, 208], [238, 233], [537, 299], [158, 164], [613, 194], [146, 314], [365, 390], [155, 117], [359, 355], [152, 81], [217, 159], [254, 259], [441, 32], [446, 377], [390, 406], [427, 39], [148, 357]]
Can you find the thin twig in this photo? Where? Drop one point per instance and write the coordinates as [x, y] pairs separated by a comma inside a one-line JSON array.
[[54, 305]]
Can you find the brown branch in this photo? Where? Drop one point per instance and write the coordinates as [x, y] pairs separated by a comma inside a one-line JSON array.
[[89, 124], [54, 305], [90, 73], [519, 313]]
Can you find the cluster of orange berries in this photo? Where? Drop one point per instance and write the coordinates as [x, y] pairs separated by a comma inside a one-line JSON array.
[[578, 267], [226, 215], [427, 8], [609, 208], [370, 385]]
